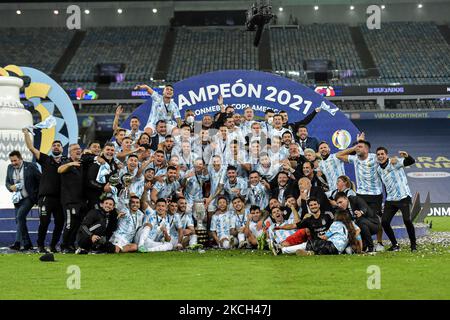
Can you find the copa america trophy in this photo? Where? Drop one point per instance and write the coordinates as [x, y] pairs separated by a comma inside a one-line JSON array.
[[124, 194], [13, 117], [199, 213]]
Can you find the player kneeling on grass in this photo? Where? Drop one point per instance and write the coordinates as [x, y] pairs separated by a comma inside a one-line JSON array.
[[129, 224], [240, 217], [343, 235], [185, 225], [97, 228], [221, 224], [155, 235], [277, 235], [254, 230]]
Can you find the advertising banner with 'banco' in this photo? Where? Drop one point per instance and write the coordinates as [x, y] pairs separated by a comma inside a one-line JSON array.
[[260, 91]]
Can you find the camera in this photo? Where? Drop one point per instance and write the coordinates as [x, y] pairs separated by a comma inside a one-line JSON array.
[[258, 15]]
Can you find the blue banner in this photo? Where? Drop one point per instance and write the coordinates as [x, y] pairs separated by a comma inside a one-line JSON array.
[[260, 91]]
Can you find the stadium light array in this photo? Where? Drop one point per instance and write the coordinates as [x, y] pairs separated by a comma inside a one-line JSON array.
[[352, 7], [18, 12], [420, 6], [55, 12], [383, 7], [119, 11], [155, 10], [87, 11], [280, 9], [316, 8]]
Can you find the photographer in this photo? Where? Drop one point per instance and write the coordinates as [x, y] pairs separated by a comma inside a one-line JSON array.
[[97, 227]]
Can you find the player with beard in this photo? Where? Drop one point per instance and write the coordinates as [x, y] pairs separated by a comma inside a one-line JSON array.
[[239, 215], [49, 201], [398, 195], [94, 185], [163, 108], [221, 224], [330, 165], [168, 188], [128, 226], [368, 181], [185, 224]]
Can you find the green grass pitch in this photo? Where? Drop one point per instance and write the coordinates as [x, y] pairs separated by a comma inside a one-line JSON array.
[[231, 274]]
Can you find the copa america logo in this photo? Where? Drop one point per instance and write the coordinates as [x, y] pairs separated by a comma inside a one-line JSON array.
[[341, 139]]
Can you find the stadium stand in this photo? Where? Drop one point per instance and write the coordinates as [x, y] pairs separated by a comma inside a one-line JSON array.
[[199, 50], [357, 105], [291, 46], [409, 52], [137, 47], [33, 47]]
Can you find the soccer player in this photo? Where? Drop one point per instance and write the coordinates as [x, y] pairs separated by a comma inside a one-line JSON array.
[[368, 181], [234, 186], [312, 226], [278, 235], [163, 108], [129, 224], [239, 222], [217, 175], [221, 224], [168, 188], [185, 225], [257, 193], [155, 235], [134, 131], [398, 195], [343, 234], [97, 228], [193, 183], [330, 165]]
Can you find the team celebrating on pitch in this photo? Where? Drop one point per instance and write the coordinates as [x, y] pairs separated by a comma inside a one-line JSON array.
[[224, 181]]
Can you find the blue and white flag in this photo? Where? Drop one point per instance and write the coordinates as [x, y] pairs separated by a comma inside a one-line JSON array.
[[326, 107], [48, 123], [103, 171]]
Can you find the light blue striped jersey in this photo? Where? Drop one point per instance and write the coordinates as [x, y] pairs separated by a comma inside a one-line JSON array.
[[129, 224], [162, 111], [280, 235], [221, 223], [395, 181], [240, 184], [332, 168], [258, 195], [184, 220], [338, 235], [216, 177], [368, 180], [239, 220], [166, 190], [193, 190]]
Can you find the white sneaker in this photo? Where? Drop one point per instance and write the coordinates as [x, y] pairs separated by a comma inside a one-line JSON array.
[[379, 247], [349, 250]]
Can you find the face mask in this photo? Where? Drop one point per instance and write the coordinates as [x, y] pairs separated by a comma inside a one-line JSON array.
[[270, 120], [190, 119]]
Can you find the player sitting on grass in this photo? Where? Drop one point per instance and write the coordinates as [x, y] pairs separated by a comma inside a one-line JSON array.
[[129, 224], [312, 226], [240, 217], [221, 224], [254, 230], [155, 235], [278, 235], [185, 224], [343, 232]]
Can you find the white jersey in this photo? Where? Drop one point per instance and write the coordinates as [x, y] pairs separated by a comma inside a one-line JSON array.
[[395, 181], [184, 220], [280, 235], [221, 223], [258, 195], [368, 180], [128, 226], [332, 168]]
